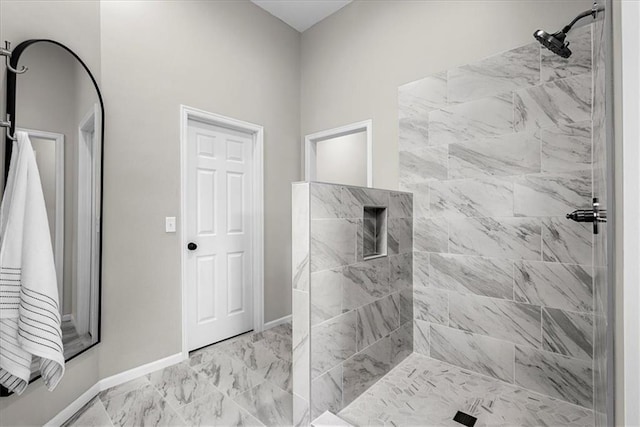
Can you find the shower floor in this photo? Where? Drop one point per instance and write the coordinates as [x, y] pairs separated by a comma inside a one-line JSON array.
[[422, 391]]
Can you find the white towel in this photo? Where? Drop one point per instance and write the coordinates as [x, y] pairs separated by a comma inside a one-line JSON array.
[[29, 310]]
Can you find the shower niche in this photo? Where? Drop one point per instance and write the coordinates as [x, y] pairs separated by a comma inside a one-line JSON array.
[[374, 235]]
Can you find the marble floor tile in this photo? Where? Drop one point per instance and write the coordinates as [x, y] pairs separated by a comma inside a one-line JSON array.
[[328, 419], [563, 101], [179, 384], [216, 409], [144, 406], [490, 277], [230, 376], [570, 334], [564, 286], [255, 355], [279, 373], [269, 404], [491, 116], [554, 375], [506, 71], [92, 414], [504, 155], [132, 385], [506, 320]]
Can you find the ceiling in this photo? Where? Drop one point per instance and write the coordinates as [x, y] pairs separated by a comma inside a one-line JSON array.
[[301, 14]]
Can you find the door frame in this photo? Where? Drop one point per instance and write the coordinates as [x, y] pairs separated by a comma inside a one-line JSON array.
[[311, 140], [58, 244], [257, 224]]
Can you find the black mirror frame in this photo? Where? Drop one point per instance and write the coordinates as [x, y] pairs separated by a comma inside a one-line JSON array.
[[11, 110]]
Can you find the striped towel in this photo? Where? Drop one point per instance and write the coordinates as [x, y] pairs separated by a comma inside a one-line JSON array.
[[29, 311]]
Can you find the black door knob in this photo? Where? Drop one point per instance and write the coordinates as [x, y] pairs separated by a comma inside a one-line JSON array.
[[192, 246]]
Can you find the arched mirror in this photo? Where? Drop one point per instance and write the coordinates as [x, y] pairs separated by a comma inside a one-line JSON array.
[[58, 103]]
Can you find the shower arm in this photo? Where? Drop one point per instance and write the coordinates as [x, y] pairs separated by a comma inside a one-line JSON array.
[[593, 12]]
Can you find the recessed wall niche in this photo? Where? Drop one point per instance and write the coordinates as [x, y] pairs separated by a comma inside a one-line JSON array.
[[374, 236]]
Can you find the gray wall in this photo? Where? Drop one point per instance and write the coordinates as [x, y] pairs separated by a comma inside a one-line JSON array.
[[354, 61], [243, 63], [358, 310]]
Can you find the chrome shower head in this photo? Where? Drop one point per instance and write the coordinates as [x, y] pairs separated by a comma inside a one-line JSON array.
[[554, 42]]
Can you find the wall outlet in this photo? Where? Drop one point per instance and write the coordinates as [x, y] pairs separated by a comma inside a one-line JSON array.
[[170, 224]]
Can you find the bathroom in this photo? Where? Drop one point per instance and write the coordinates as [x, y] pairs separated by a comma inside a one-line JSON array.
[[461, 170]]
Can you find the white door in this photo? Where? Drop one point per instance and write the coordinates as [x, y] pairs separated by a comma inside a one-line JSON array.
[[218, 221]]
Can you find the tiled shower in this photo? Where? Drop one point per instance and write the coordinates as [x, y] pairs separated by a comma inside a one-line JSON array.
[[485, 271]]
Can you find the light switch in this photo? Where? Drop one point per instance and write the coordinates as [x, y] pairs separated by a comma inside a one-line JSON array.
[[170, 224]]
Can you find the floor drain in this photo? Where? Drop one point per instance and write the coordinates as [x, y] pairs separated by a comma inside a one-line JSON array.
[[465, 419]]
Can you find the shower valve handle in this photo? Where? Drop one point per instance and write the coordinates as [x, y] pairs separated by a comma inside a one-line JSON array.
[[594, 215]]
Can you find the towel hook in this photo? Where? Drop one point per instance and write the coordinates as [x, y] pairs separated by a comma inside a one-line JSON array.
[[6, 52], [7, 125]]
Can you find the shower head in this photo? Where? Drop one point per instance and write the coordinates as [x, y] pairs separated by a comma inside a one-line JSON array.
[[554, 42]]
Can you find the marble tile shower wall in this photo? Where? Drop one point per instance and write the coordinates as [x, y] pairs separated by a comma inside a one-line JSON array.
[[496, 153], [355, 314]]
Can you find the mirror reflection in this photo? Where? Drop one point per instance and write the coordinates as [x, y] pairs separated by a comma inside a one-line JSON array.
[[58, 106]]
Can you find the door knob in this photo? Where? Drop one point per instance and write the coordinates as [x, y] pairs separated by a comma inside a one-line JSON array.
[[192, 246]]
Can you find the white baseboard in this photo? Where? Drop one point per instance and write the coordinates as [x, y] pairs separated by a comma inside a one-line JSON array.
[[112, 381], [277, 322]]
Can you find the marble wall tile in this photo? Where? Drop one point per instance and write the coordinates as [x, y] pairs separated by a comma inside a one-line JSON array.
[[420, 198], [354, 199], [472, 198], [399, 235], [484, 117], [431, 235], [554, 67], [477, 353], [326, 291], [332, 342], [326, 392], [400, 205], [566, 147], [301, 344], [490, 277], [365, 282], [512, 238], [400, 271], [559, 102], [513, 69], [554, 375], [326, 201], [422, 165], [332, 243], [564, 286], [406, 306], [507, 320], [421, 337], [431, 305], [421, 269], [567, 333], [566, 241], [377, 320], [365, 368], [552, 194], [401, 343], [505, 155], [300, 236], [415, 100]]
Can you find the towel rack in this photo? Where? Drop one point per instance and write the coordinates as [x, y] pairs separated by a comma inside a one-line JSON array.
[[7, 124], [6, 52]]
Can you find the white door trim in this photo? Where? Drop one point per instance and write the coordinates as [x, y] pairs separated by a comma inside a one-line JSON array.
[[58, 245], [311, 140], [257, 246]]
